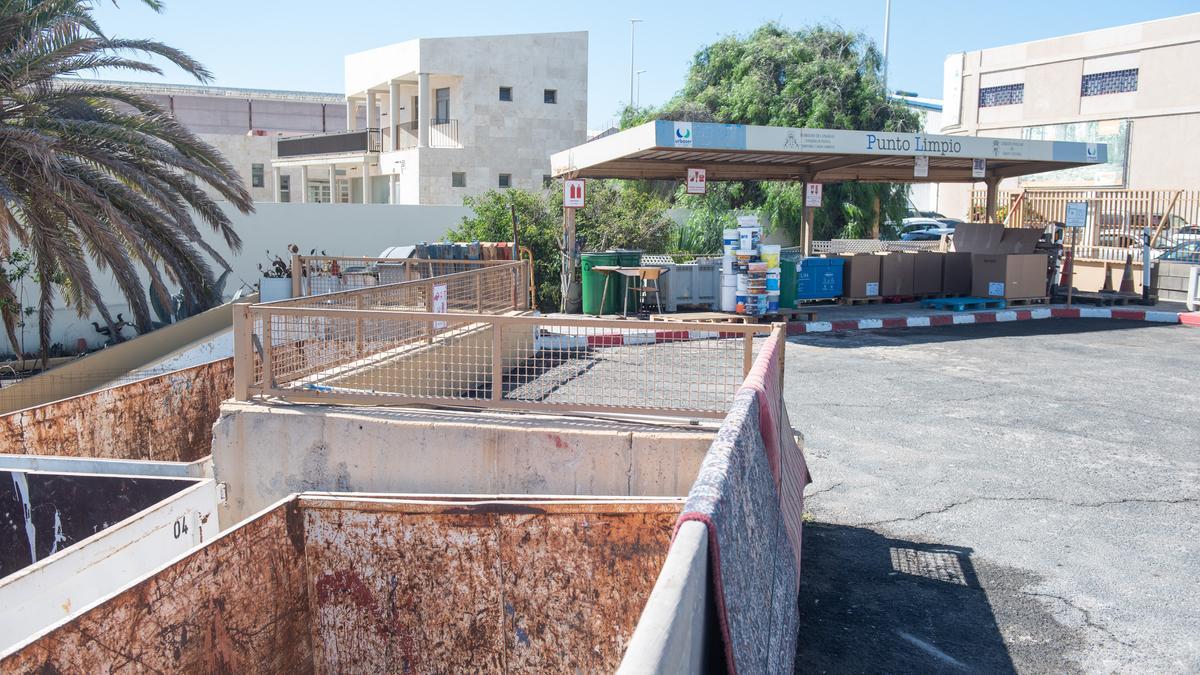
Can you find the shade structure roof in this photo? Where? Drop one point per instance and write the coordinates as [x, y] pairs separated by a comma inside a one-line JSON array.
[[664, 149]]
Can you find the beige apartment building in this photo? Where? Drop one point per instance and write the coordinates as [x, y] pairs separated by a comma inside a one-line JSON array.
[[1135, 88], [431, 121]]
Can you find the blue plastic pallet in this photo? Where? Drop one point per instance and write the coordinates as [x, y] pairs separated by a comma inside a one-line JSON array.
[[961, 304]]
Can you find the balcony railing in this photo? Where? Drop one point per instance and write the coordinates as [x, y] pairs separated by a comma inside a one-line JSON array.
[[362, 140], [443, 133]]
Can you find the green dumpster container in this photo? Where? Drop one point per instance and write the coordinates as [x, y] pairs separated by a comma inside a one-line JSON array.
[[593, 284], [787, 284]]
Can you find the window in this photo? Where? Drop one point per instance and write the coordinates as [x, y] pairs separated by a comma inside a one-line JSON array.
[[458, 179], [550, 96], [505, 93], [1005, 94], [256, 176], [505, 180], [547, 181], [1112, 82], [441, 98], [285, 188]]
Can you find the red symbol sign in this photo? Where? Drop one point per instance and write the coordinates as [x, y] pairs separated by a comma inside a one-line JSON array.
[[573, 193]]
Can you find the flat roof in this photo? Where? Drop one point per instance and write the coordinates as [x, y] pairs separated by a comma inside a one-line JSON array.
[[664, 149], [168, 89]]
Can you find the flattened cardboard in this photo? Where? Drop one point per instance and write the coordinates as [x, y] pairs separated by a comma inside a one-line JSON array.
[[896, 274], [860, 276], [1010, 277], [956, 273], [927, 272], [994, 238]]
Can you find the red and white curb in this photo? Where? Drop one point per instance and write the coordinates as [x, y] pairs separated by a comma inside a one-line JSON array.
[[630, 337], [997, 316]]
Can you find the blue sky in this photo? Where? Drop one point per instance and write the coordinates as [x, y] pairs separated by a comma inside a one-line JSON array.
[[300, 44]]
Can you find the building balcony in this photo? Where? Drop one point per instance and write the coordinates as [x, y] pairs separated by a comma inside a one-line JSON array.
[[443, 133], [345, 142]]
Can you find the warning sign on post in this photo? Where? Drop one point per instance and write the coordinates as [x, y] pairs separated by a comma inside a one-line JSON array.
[[695, 181], [920, 166], [573, 193], [812, 195], [978, 168], [440, 305]]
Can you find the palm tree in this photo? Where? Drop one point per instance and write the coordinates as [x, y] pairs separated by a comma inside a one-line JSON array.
[[92, 173]]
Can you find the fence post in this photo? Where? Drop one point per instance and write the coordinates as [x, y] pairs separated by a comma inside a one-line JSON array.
[[479, 291], [497, 361], [429, 308], [747, 352], [297, 272], [243, 351], [267, 343], [358, 328]]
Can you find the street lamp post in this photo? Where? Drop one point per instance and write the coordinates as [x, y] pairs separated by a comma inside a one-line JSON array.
[[638, 99], [632, 36]]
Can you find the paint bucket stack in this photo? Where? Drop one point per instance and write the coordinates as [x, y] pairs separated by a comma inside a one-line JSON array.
[[747, 282]]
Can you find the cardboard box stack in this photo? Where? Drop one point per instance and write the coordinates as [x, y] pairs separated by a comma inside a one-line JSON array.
[[927, 273], [1003, 264], [860, 275], [896, 274]]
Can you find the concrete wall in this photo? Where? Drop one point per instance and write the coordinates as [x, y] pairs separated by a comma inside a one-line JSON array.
[[337, 229], [62, 585], [1164, 111], [265, 452], [1172, 281]]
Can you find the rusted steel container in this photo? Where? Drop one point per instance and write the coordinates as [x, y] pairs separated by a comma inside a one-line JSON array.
[[360, 583]]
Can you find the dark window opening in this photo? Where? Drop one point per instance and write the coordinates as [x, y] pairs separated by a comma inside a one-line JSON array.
[[506, 93], [550, 96], [458, 179]]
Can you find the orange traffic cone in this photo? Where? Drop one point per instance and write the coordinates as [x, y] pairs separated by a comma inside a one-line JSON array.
[[1107, 288], [1064, 279], [1127, 275]]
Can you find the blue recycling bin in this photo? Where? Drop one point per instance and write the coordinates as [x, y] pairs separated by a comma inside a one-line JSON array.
[[819, 278]]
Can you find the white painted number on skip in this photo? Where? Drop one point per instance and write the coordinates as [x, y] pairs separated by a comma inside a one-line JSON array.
[[573, 193]]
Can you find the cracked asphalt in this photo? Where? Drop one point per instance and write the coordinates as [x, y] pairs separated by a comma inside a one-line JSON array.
[[1017, 497]]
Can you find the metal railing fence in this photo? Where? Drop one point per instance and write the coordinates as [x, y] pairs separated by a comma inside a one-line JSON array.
[[320, 274], [870, 246], [443, 133], [482, 360]]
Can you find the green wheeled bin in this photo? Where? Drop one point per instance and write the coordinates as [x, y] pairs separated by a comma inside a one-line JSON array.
[[593, 284], [787, 284]]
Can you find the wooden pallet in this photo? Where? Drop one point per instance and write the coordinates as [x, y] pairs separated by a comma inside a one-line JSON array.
[[787, 314], [703, 317], [962, 304], [1102, 299], [860, 301], [1019, 302]]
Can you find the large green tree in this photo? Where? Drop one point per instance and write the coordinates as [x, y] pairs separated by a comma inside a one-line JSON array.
[[818, 77], [616, 216], [93, 173]]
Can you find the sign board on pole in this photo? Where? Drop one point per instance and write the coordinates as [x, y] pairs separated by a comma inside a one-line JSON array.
[[1076, 214], [921, 166], [812, 195], [978, 168], [439, 304], [573, 193], [695, 182]]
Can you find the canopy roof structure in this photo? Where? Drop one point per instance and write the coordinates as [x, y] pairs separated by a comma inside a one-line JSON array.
[[664, 149]]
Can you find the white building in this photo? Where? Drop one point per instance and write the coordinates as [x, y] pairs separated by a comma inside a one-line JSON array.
[[245, 124], [435, 120], [924, 196]]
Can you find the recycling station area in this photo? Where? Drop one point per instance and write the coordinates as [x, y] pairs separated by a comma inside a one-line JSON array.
[[986, 266]]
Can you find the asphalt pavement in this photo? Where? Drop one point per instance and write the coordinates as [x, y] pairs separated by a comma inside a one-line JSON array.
[[1000, 497]]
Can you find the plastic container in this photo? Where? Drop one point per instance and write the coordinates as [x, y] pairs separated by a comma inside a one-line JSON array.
[[748, 238], [742, 283], [770, 254], [772, 303], [787, 284], [819, 278], [728, 264], [728, 298], [729, 240], [593, 284]]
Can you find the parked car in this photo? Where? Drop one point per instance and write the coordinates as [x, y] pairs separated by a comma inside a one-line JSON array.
[[924, 229], [1186, 233], [1188, 251]]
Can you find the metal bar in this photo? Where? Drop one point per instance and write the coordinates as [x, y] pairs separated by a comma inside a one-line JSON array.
[[358, 330], [497, 362], [747, 353], [297, 272], [268, 350]]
